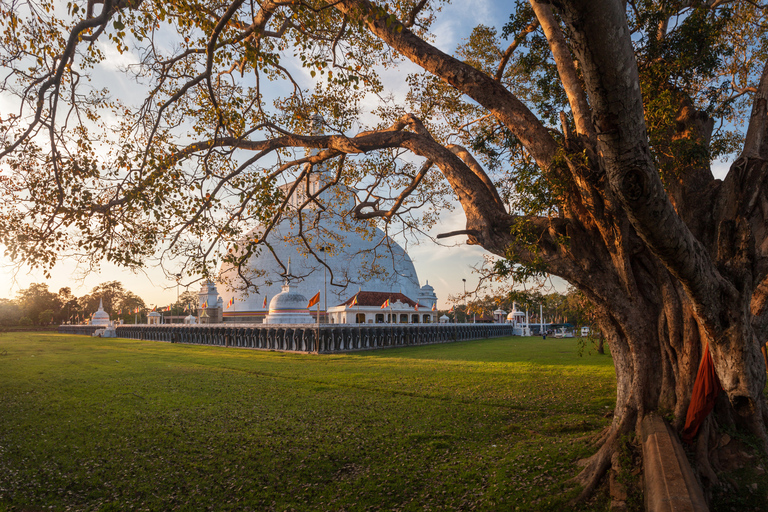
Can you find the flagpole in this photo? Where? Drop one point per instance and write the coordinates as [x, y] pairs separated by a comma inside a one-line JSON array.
[[317, 342]]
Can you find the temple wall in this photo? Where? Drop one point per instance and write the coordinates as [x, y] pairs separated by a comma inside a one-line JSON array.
[[301, 338], [88, 330]]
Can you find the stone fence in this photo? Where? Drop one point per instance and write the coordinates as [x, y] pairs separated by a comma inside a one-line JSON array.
[[88, 330], [302, 338]]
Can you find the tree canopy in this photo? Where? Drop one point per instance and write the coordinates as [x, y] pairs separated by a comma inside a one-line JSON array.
[[578, 138]]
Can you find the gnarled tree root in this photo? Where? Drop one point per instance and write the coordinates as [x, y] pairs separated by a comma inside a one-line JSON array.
[[596, 466]]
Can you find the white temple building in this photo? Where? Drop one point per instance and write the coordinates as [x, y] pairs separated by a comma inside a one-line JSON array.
[[382, 308], [344, 258]]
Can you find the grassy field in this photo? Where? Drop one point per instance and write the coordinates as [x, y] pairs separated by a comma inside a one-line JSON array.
[[115, 424]]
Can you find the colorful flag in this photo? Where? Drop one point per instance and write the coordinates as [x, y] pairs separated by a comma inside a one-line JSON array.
[[354, 301], [416, 307], [265, 302], [205, 305], [434, 306], [231, 301], [154, 309], [386, 304], [314, 300]]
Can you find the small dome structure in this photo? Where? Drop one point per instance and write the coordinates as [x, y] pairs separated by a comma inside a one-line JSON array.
[[100, 317], [191, 320], [444, 319], [154, 318], [288, 306]]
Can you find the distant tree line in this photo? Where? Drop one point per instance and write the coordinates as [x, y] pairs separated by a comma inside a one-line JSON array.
[[38, 306], [570, 307]]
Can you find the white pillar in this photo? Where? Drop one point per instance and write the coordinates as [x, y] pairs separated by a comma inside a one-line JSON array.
[[527, 325]]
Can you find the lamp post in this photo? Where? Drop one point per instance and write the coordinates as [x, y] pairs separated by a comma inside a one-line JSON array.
[[178, 278], [324, 250], [465, 298]]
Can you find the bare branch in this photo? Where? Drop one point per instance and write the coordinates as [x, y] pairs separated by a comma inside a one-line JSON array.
[[519, 38]]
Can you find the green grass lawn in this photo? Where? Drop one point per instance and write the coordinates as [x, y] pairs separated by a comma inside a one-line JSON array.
[[115, 424]]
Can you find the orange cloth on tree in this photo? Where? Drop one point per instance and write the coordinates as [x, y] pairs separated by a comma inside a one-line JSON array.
[[705, 390]]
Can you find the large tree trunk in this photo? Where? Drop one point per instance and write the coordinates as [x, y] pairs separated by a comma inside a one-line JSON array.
[[671, 266]]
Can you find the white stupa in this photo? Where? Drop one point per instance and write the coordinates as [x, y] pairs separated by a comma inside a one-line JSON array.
[[100, 317], [358, 255], [289, 306]]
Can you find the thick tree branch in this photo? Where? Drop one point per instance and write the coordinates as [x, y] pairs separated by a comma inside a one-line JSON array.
[[612, 81], [472, 82], [565, 68], [756, 141]]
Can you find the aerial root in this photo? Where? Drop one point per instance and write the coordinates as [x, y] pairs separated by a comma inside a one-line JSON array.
[[703, 443]]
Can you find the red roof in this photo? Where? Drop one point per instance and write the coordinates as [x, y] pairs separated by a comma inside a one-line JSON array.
[[377, 299]]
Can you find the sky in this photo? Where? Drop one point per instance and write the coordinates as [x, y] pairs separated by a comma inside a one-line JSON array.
[[444, 267]]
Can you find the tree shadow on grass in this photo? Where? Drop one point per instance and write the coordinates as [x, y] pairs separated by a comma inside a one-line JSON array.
[[512, 349]]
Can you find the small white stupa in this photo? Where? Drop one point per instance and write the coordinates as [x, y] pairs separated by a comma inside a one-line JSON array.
[[288, 306], [100, 317]]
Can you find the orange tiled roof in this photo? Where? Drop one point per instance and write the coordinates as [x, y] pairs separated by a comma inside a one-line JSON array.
[[378, 298]]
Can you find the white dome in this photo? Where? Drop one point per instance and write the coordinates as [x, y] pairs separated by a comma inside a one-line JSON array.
[[288, 307], [358, 257], [100, 314], [288, 299]]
